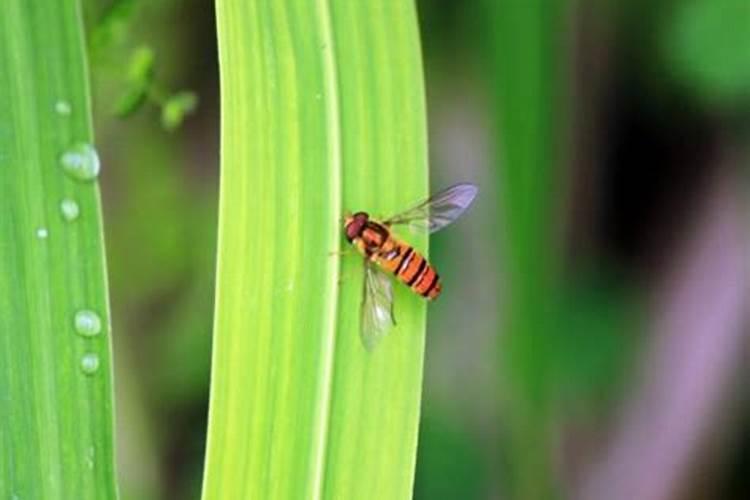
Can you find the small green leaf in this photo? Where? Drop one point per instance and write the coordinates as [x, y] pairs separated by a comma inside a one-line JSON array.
[[140, 78], [113, 27], [176, 108], [130, 101], [141, 67]]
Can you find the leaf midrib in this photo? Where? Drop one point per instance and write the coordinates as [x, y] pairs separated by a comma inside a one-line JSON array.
[[334, 157]]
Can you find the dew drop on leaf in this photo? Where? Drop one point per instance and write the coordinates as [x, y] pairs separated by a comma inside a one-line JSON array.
[[81, 162], [63, 108], [69, 209], [88, 323], [89, 366], [42, 233]]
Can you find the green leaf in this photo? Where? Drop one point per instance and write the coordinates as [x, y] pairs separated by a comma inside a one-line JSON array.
[[130, 101], [113, 27], [56, 437], [450, 464], [322, 113], [176, 108], [141, 66], [140, 78], [525, 54]]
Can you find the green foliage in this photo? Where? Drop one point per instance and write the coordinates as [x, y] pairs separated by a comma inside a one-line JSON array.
[[141, 68], [109, 41], [707, 47], [162, 296], [523, 62], [140, 77], [588, 356], [55, 364], [451, 465], [176, 108], [562, 345], [322, 112], [113, 27], [141, 87]]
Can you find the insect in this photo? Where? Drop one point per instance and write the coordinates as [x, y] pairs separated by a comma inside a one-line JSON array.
[[386, 254]]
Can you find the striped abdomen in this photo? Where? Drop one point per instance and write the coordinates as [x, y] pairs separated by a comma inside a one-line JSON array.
[[409, 266], [417, 273]]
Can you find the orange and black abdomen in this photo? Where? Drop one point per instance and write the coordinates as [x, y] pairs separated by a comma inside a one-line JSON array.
[[417, 273], [401, 259]]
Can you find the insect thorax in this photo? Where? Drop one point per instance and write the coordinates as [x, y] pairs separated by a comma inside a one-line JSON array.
[[374, 236]]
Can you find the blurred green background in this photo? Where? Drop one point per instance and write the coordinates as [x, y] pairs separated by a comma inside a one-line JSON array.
[[591, 339]]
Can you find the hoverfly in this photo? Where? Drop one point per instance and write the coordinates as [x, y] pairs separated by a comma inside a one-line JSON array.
[[385, 254]]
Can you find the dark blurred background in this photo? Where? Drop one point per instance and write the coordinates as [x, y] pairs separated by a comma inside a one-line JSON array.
[[592, 337]]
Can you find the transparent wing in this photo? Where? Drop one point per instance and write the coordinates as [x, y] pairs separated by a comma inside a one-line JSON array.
[[438, 210], [377, 306]]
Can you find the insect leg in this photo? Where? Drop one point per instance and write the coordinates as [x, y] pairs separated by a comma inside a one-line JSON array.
[[339, 253]]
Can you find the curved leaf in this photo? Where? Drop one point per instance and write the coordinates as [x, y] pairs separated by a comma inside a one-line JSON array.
[[55, 369], [322, 113]]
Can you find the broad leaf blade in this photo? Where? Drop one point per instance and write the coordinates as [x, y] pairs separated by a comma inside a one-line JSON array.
[[322, 112], [55, 385]]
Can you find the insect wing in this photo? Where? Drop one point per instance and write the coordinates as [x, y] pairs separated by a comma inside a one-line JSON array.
[[377, 306], [438, 210]]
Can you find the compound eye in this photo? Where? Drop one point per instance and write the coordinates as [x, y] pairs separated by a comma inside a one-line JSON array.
[[353, 229], [357, 224]]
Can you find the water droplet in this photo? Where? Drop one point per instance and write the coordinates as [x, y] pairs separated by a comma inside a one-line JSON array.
[[42, 233], [318, 96], [88, 323], [81, 162], [69, 209], [89, 366], [63, 108]]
